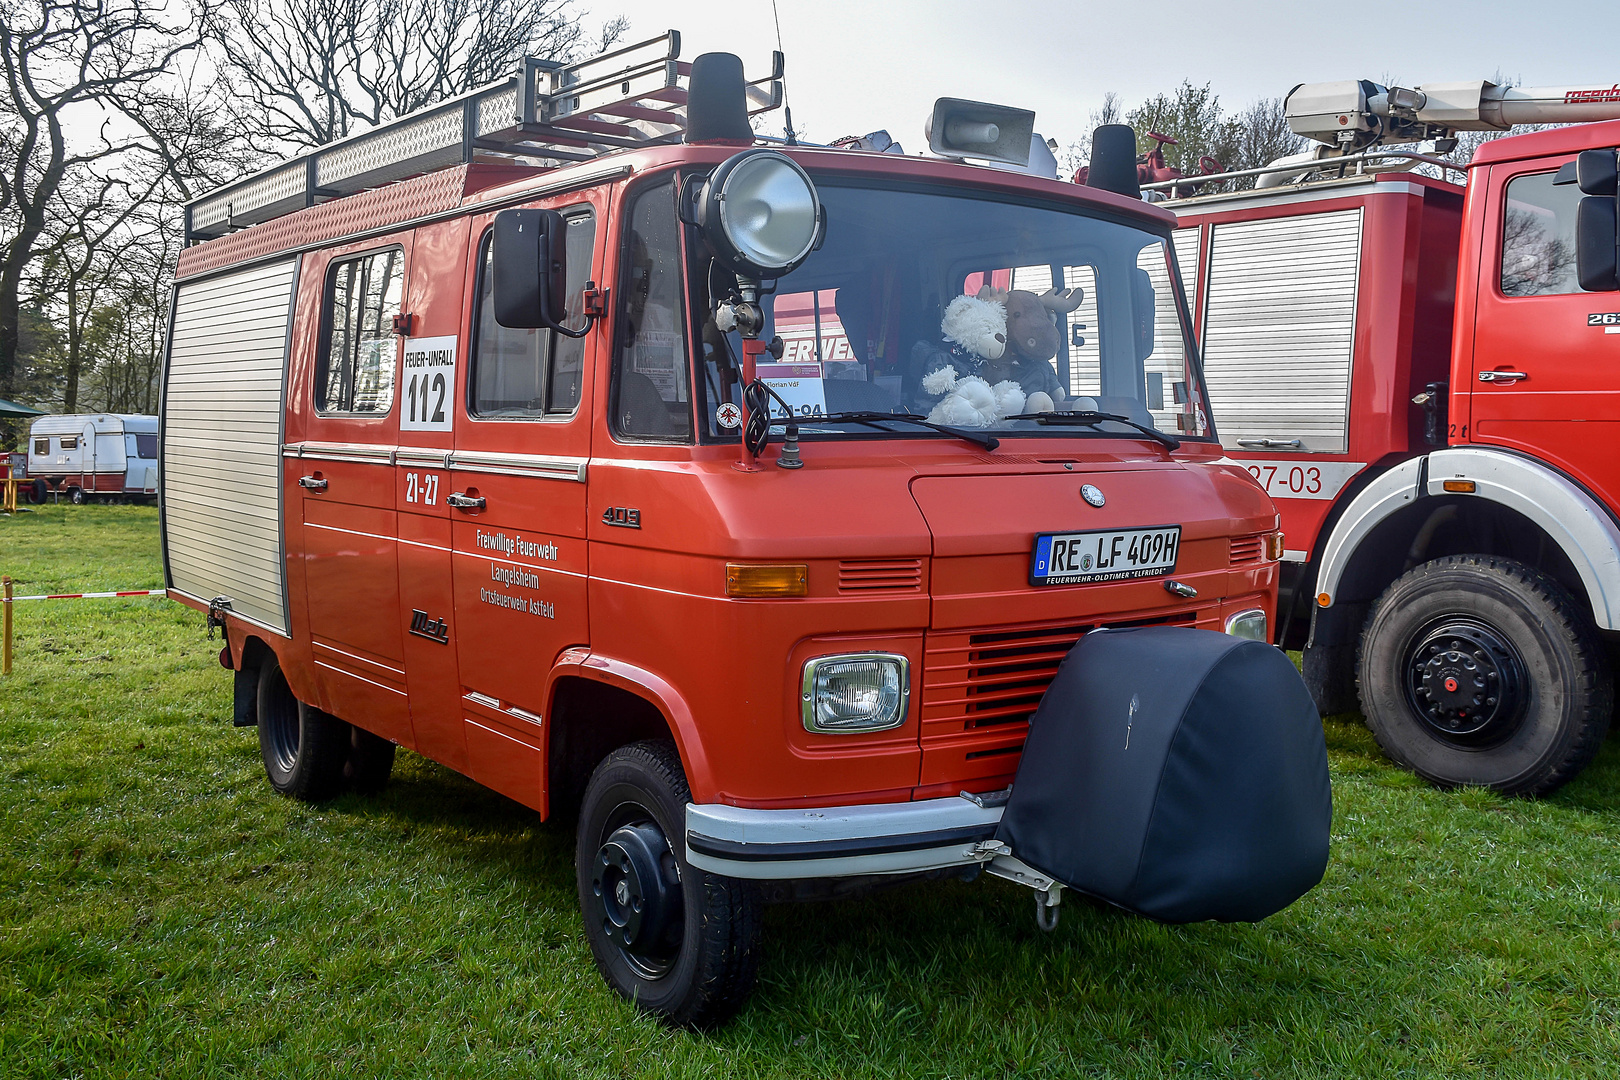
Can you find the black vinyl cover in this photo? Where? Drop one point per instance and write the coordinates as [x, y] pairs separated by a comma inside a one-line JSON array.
[[1180, 774]]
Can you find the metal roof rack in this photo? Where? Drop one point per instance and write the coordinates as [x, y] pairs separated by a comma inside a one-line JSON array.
[[546, 113]]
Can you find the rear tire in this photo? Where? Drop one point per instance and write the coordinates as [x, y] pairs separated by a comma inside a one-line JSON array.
[[680, 943], [304, 749], [1478, 670], [371, 759]]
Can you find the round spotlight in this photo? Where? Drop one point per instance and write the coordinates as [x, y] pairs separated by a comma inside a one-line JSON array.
[[759, 214]]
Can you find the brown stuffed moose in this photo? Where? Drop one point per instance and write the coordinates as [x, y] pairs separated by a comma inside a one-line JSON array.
[[1032, 341]]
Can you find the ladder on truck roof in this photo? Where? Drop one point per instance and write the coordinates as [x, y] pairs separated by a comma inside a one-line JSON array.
[[546, 113]]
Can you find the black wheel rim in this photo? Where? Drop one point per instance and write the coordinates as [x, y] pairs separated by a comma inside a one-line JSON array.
[[280, 723], [1466, 683], [635, 894]]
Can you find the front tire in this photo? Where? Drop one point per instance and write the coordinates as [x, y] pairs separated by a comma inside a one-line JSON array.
[[680, 943], [1478, 670], [304, 749]]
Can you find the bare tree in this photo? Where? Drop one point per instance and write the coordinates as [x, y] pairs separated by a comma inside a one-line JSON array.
[[1262, 136], [1078, 152], [69, 61], [308, 72]]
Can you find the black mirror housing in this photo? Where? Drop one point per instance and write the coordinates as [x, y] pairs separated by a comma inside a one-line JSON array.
[[1595, 172], [1144, 299], [1597, 241], [529, 264]]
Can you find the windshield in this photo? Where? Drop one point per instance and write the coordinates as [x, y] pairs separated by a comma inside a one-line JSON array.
[[971, 312]]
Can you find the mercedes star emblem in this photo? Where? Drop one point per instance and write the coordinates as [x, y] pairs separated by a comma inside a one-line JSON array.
[[1090, 493]]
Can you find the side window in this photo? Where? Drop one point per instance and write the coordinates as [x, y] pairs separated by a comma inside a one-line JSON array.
[[651, 396], [354, 370], [42, 446], [70, 443], [1538, 237], [524, 372], [146, 446]]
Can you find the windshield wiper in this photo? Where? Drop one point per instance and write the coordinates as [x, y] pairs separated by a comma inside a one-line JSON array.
[[1090, 418], [877, 419]]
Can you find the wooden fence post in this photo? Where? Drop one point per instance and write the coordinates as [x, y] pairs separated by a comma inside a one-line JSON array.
[[5, 632]]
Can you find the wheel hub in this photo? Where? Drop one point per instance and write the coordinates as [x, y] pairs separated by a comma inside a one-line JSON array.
[[1466, 682], [638, 892]]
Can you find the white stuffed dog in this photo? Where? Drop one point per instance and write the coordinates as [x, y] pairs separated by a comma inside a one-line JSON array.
[[970, 402]]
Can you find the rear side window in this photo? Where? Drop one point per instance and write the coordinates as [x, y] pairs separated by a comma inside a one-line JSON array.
[[146, 446], [523, 372], [354, 371], [1538, 237], [71, 442], [42, 446]]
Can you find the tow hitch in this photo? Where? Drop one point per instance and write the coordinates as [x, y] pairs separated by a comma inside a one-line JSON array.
[[1048, 892]]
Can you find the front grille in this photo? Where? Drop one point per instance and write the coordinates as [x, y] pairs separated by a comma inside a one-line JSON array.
[[873, 575], [980, 687], [994, 677], [1247, 549]]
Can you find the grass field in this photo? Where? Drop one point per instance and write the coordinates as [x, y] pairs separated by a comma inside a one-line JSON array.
[[163, 913]]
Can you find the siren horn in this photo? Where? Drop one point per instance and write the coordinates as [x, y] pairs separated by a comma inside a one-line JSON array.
[[977, 129]]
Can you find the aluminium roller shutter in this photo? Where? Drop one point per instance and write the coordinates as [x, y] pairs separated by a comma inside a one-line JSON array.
[[1279, 328], [221, 440]]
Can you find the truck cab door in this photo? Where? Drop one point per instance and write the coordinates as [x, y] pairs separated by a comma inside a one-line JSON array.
[[517, 507], [1546, 368], [346, 381]]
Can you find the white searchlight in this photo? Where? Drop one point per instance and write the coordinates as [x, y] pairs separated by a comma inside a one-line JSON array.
[[759, 214]]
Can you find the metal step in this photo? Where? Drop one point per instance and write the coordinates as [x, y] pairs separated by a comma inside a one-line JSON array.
[[546, 114]]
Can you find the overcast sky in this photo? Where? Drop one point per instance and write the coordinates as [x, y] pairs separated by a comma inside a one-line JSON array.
[[855, 67]]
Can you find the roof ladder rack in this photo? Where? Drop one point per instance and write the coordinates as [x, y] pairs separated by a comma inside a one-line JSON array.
[[546, 113]]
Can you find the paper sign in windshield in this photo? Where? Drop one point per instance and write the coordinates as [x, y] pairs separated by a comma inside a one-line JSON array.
[[798, 385]]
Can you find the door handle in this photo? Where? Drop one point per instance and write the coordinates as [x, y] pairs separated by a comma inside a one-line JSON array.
[[1272, 444], [1502, 376], [464, 502], [312, 483]]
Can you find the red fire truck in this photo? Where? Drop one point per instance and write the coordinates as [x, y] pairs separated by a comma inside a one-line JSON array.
[[463, 446], [1423, 375]]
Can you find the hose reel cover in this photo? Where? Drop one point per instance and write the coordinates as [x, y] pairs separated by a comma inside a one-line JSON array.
[[1177, 773]]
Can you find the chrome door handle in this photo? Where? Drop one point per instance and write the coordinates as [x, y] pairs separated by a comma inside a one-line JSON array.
[[1502, 376], [464, 502], [312, 483], [1273, 444]]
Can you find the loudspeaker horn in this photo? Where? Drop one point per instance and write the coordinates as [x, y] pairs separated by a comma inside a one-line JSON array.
[[977, 129]]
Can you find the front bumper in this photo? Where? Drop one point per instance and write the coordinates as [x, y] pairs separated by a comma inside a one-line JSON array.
[[838, 841]]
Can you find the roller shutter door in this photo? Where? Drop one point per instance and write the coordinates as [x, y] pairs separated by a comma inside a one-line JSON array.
[[1279, 329], [221, 440]]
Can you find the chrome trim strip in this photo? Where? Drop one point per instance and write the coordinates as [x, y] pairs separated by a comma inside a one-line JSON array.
[[506, 710], [549, 468], [358, 452], [420, 455]]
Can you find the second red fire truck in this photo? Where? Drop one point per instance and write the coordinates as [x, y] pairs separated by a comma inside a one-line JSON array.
[[1426, 377]]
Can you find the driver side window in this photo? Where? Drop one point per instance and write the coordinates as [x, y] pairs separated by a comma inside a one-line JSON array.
[[651, 383]]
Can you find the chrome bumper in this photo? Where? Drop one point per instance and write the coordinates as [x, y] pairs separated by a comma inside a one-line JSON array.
[[839, 841]]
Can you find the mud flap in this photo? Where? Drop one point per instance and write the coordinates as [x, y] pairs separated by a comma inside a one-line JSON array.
[[1180, 774]]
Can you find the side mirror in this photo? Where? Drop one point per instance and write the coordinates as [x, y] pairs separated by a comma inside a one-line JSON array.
[[1597, 227], [1144, 300], [530, 267]]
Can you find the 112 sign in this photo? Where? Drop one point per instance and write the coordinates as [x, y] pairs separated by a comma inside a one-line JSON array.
[[430, 384]]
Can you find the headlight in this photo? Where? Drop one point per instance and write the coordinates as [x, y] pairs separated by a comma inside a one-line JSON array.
[[855, 692], [759, 214], [1249, 624]]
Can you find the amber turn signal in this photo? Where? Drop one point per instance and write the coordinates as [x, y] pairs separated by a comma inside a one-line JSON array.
[[767, 579], [1274, 546], [1460, 487]]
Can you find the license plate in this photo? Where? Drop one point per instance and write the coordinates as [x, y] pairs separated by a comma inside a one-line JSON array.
[[1110, 555]]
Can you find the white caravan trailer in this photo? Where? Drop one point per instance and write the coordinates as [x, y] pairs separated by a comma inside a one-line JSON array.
[[104, 456]]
